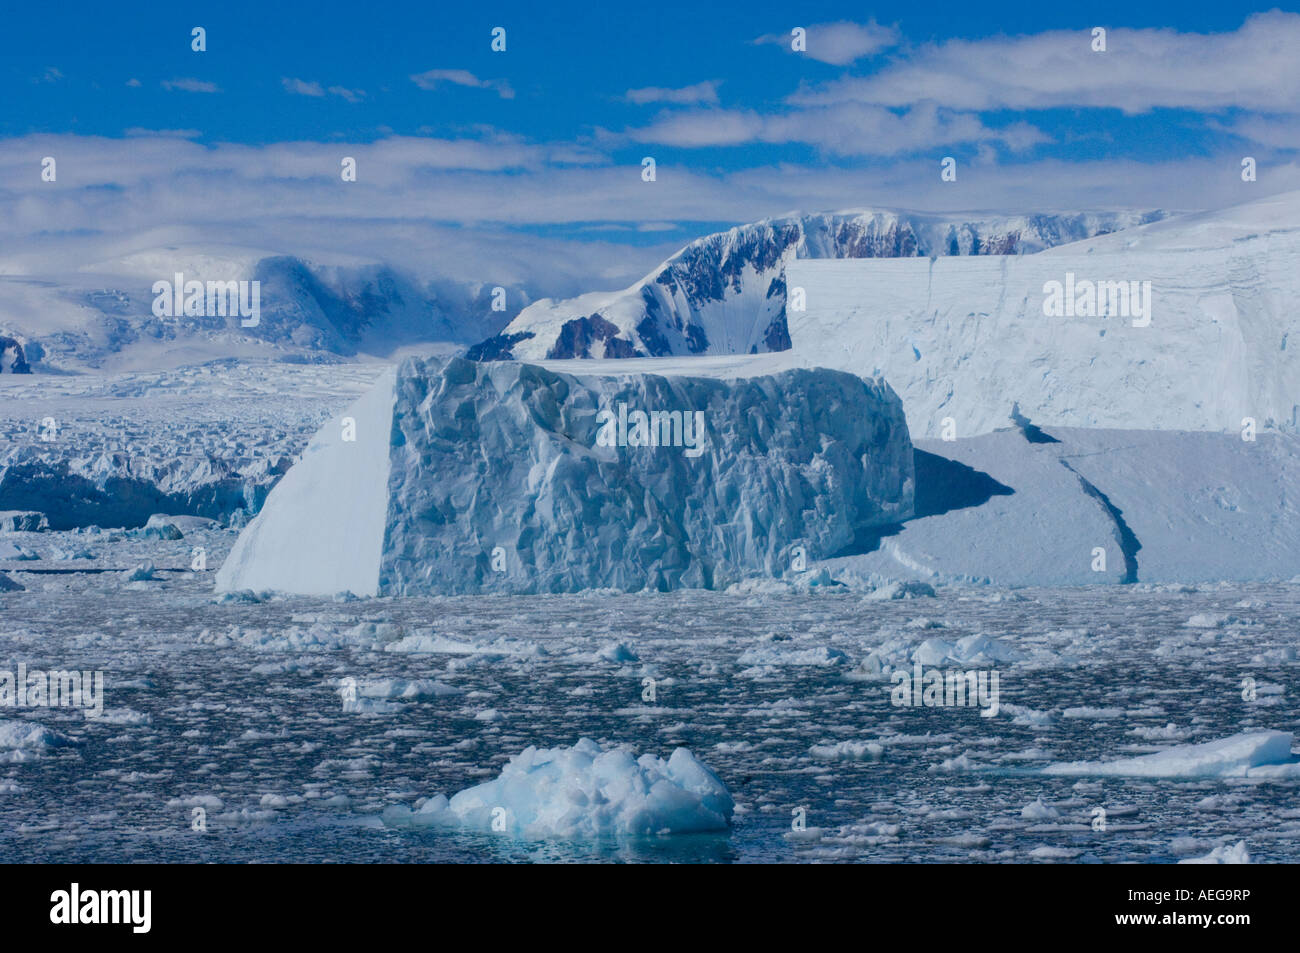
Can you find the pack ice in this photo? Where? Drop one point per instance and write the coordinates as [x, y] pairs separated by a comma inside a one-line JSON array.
[[453, 476], [969, 338]]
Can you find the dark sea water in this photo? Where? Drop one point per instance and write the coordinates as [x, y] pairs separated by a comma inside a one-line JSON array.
[[236, 708]]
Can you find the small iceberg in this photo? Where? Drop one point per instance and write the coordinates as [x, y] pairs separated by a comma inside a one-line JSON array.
[[1254, 754], [585, 791]]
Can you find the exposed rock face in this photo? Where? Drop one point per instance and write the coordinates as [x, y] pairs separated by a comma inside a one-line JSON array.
[[12, 357], [726, 293]]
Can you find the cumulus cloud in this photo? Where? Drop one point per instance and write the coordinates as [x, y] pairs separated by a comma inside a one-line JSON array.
[[839, 43], [434, 78], [1253, 68]]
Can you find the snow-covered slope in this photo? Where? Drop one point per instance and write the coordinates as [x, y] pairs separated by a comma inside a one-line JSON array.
[[726, 293], [968, 339], [1162, 506], [342, 473], [501, 479], [101, 317]]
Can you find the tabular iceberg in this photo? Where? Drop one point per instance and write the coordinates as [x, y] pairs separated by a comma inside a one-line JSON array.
[[458, 477]]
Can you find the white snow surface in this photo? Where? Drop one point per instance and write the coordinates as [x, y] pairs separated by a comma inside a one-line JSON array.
[[586, 791], [321, 530], [1164, 506], [967, 338]]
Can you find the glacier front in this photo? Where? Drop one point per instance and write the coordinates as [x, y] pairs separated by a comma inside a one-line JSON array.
[[460, 477], [968, 342]]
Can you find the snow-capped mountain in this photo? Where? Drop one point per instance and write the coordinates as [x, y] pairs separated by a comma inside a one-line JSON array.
[[726, 293], [104, 316]]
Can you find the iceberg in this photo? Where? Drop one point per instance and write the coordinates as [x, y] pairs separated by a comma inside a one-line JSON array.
[[454, 477], [585, 791]]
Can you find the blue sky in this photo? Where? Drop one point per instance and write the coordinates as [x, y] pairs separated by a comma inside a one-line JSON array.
[[534, 153]]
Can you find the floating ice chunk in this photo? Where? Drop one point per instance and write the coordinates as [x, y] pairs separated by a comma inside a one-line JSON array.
[[208, 802], [907, 589], [1095, 714], [1053, 853], [1038, 811], [69, 555], [1250, 754], [848, 751], [819, 655], [142, 573], [397, 688], [13, 551], [973, 650], [618, 652], [582, 792], [182, 523], [119, 716], [370, 706], [430, 643], [30, 736], [1223, 854], [1208, 620]]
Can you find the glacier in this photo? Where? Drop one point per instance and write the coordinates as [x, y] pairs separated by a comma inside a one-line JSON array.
[[966, 342], [466, 477], [726, 293]]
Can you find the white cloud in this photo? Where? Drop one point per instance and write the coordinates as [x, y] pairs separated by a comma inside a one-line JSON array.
[[305, 88], [351, 95], [302, 88], [190, 85], [1254, 68], [706, 93], [843, 129], [502, 209], [432, 79], [839, 43]]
